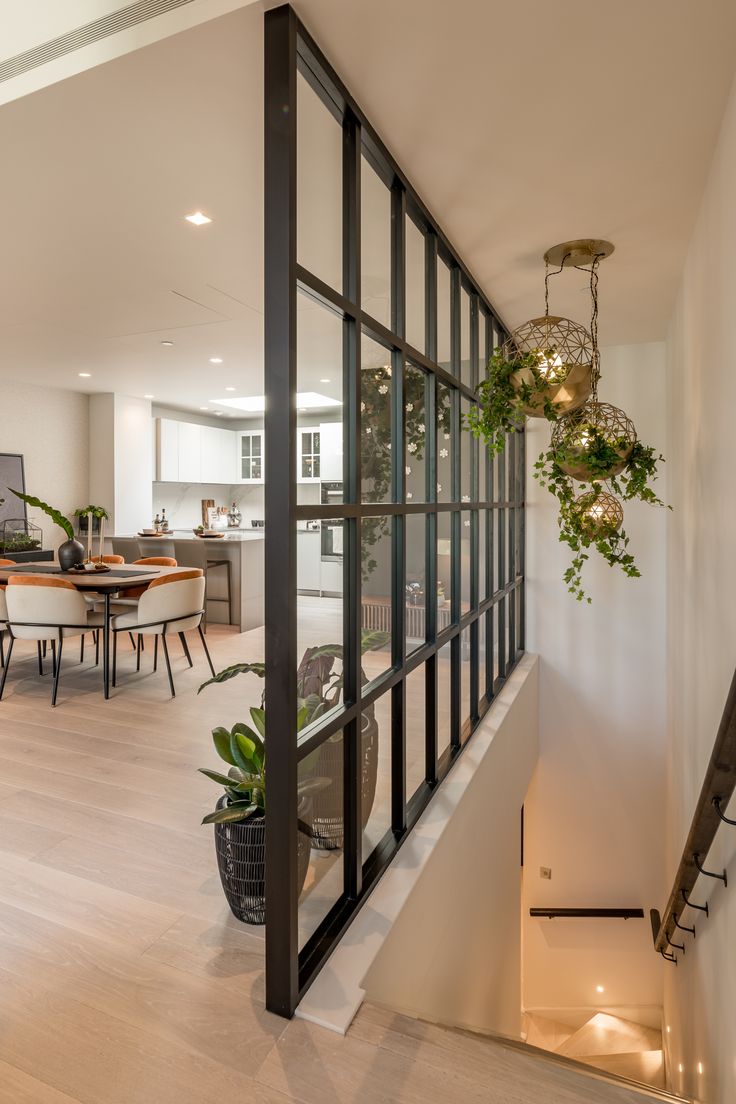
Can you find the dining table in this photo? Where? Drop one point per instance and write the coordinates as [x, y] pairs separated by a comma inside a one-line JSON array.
[[108, 584]]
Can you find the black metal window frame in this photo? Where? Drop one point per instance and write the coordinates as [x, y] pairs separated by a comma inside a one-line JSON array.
[[496, 502]]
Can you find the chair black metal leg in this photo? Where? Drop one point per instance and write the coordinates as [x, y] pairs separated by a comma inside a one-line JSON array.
[[97, 647], [44, 649], [155, 653], [53, 658], [57, 670], [6, 668], [206, 649], [168, 664], [185, 646], [132, 640], [114, 658], [2, 648], [81, 649], [40, 657], [138, 652]]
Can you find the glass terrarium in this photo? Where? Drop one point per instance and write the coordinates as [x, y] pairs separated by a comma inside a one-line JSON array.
[[19, 535]]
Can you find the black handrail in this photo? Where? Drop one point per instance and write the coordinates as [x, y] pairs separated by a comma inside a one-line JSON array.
[[589, 913], [716, 792]]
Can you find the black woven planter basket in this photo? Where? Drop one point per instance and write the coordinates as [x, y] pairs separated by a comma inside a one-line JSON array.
[[241, 858], [327, 805]]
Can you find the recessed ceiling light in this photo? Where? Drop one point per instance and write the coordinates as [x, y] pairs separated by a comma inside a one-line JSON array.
[[700, 1067], [599, 989], [215, 360], [229, 388], [197, 218], [149, 396], [168, 344], [324, 381], [204, 408], [85, 375]]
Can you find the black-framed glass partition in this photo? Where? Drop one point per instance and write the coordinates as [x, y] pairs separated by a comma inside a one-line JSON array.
[[395, 643]]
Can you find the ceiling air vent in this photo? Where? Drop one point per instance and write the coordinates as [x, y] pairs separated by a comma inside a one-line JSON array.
[[120, 20]]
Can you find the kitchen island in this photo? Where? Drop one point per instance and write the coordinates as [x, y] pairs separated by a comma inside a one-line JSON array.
[[243, 549]]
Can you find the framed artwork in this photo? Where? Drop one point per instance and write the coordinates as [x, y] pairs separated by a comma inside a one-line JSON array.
[[11, 475]]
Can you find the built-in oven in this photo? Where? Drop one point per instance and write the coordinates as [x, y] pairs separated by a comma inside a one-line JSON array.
[[332, 531]]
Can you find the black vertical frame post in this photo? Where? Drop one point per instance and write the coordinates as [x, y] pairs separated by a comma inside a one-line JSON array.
[[352, 488], [398, 531], [282, 977]]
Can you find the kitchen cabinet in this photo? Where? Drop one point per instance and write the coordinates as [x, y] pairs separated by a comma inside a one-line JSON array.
[[250, 456], [167, 450], [190, 460], [331, 577], [308, 454], [308, 553], [330, 439], [218, 456]]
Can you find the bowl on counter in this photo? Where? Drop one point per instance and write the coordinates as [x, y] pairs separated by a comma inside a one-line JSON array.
[[209, 533]]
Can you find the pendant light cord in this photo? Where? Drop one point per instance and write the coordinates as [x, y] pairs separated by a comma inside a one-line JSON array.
[[547, 275]]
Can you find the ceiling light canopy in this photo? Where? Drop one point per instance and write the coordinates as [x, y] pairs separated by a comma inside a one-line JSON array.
[[168, 344], [84, 375], [198, 218], [215, 360], [256, 404]]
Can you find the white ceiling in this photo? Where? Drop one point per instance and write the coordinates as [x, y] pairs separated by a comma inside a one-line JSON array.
[[522, 124]]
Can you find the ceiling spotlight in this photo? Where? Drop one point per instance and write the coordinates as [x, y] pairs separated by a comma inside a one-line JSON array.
[[168, 344], [197, 218], [84, 375], [324, 381], [204, 408], [215, 360], [229, 388], [149, 396], [599, 989]]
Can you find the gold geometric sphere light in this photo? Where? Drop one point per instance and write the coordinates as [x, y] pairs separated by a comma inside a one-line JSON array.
[[563, 370], [594, 442], [601, 514]]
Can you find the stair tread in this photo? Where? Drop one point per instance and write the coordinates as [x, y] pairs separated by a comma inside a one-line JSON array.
[[507, 1070], [607, 1034]]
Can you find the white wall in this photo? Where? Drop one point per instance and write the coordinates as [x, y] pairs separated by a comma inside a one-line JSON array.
[[121, 460], [700, 994], [595, 810], [452, 954], [50, 428]]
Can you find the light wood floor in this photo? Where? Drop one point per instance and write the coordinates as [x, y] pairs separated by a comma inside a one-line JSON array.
[[123, 977]]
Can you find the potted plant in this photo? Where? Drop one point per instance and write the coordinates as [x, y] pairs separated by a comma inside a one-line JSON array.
[[240, 815], [319, 688], [71, 552], [93, 514]]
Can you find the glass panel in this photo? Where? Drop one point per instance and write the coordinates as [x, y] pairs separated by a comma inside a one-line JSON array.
[[482, 550], [467, 454], [466, 368], [320, 868], [376, 555], [500, 529], [319, 187], [375, 245], [443, 315], [444, 571], [444, 442], [465, 683], [466, 533], [415, 286], [416, 597], [319, 609], [444, 698], [319, 382], [375, 434], [483, 624], [416, 433], [376, 773], [482, 338], [415, 730]]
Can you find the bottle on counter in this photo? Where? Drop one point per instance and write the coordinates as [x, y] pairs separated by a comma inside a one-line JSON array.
[[234, 517], [164, 521], [157, 523]]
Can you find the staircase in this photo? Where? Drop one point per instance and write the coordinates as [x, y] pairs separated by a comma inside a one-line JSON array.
[[607, 1042], [497, 1070]]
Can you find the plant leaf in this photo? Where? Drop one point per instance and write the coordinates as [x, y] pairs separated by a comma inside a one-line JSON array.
[[236, 669], [238, 810], [221, 737], [51, 511]]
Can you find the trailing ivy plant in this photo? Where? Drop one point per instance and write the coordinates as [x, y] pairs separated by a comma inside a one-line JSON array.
[[577, 529], [503, 394]]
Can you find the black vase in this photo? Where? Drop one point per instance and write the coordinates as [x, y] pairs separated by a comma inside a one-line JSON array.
[[241, 858], [71, 552]]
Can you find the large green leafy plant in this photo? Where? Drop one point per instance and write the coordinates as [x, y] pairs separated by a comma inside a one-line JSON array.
[[509, 386], [56, 516]]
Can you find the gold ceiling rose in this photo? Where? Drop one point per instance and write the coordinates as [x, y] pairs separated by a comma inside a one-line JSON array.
[[601, 514], [594, 442], [556, 355], [578, 253]]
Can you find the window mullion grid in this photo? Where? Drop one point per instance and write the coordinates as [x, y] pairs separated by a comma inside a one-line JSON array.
[[398, 528], [456, 517], [513, 596], [352, 749], [430, 532], [522, 540], [501, 549], [476, 516]]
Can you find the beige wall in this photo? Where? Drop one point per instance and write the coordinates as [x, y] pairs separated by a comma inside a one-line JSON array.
[[701, 400], [452, 955], [595, 811], [50, 428]]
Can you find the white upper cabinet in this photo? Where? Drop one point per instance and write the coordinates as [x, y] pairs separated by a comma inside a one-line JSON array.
[[250, 456], [167, 450], [330, 438], [190, 458], [308, 454], [218, 455]]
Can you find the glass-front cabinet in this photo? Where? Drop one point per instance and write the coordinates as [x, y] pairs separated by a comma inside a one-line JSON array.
[[251, 456], [309, 455]]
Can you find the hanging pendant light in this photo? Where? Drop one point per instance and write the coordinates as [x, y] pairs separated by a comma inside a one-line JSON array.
[[601, 514]]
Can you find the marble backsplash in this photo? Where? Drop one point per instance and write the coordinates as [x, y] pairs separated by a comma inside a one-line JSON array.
[[183, 501]]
